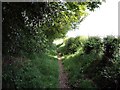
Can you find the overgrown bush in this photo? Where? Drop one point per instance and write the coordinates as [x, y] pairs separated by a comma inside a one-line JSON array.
[[108, 77], [87, 84], [110, 46], [72, 45], [93, 65], [93, 43]]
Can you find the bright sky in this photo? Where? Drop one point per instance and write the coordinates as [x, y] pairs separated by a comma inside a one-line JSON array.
[[103, 21]]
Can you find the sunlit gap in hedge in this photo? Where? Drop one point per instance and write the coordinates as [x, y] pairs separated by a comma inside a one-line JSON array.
[[102, 22], [58, 41]]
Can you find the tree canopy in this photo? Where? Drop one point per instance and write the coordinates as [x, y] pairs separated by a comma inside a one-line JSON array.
[[32, 26]]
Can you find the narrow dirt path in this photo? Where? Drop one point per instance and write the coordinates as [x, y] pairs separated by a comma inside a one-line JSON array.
[[63, 80]]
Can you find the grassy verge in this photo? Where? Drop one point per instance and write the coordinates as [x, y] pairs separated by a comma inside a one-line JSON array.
[[38, 71], [76, 65], [87, 71]]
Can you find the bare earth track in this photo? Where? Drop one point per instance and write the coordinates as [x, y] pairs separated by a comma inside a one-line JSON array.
[[63, 80]]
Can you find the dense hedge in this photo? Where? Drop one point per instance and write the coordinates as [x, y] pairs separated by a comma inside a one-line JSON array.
[[93, 43], [71, 45], [99, 62], [110, 46]]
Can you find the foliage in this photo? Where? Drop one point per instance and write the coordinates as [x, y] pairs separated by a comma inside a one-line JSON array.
[[31, 26], [71, 45], [40, 71], [110, 46], [87, 84], [110, 77], [93, 66], [28, 31], [76, 66], [19, 28], [93, 43]]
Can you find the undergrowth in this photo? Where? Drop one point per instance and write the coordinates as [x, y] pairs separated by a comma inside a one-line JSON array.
[[96, 65], [75, 66], [37, 71]]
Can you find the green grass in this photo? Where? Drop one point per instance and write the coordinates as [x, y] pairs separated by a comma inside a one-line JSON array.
[[38, 71], [87, 71], [76, 65], [93, 70]]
